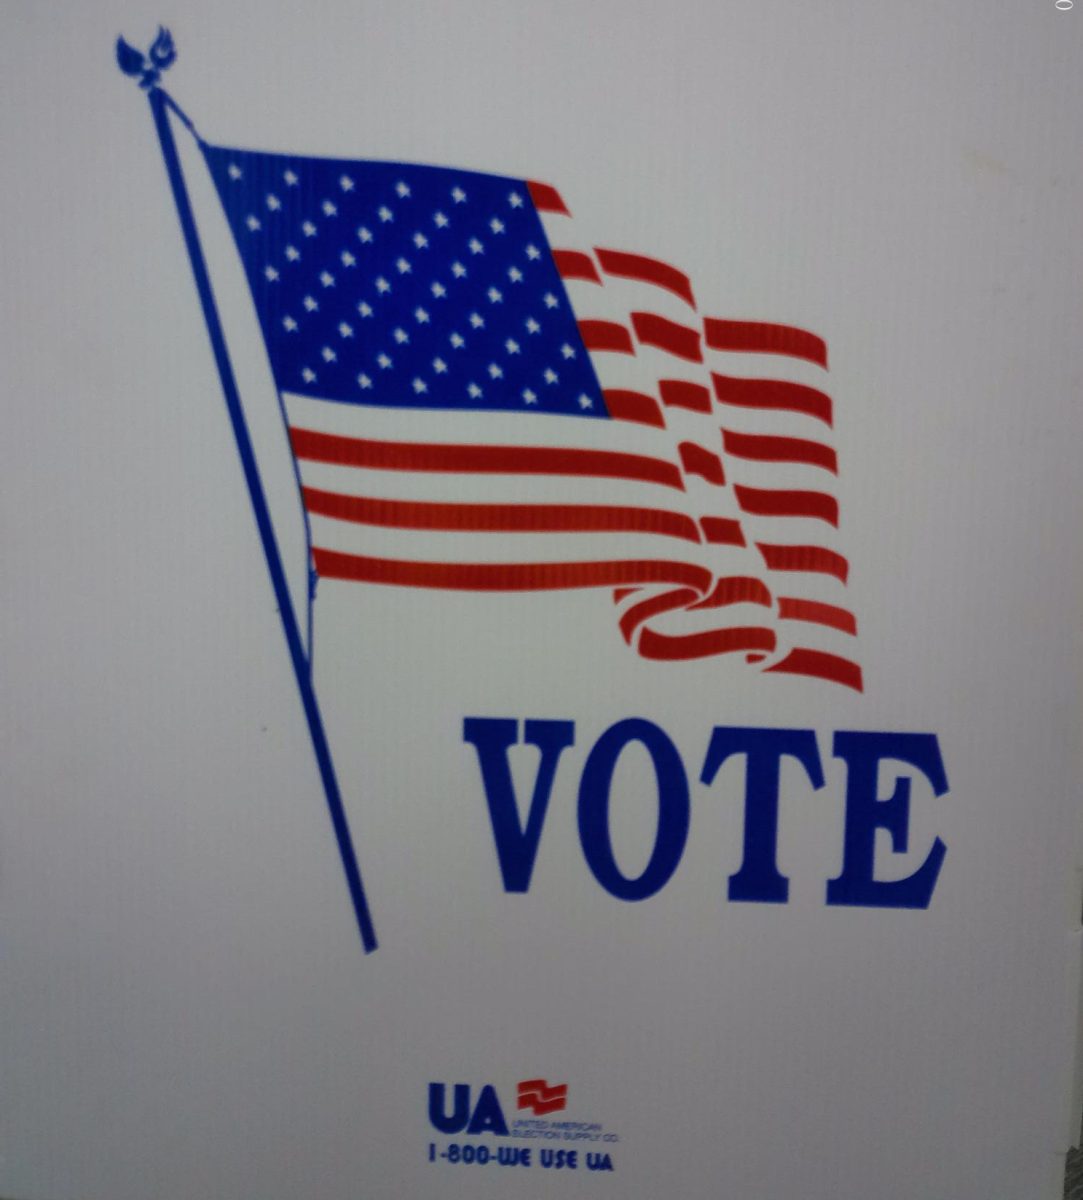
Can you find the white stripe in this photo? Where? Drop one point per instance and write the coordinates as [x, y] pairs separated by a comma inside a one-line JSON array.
[[436, 546], [467, 427], [453, 488]]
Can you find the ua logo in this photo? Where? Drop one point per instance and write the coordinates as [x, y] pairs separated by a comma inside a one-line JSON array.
[[486, 1116]]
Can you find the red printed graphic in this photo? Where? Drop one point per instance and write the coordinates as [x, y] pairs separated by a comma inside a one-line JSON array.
[[542, 1098]]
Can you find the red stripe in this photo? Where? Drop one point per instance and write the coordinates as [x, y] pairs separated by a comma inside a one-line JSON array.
[[646, 270], [537, 1094], [505, 577], [655, 606], [500, 518], [653, 330], [574, 264], [500, 460], [772, 394], [541, 1089], [697, 461], [805, 558], [626, 405], [679, 393], [790, 609], [606, 335], [546, 198], [702, 645], [722, 531], [736, 589], [762, 337], [763, 502], [821, 666], [541, 1108], [779, 449], [623, 593]]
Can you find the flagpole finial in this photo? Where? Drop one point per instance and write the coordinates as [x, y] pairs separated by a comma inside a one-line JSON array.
[[148, 67]]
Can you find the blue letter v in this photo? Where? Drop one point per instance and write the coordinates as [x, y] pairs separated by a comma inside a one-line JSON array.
[[516, 844]]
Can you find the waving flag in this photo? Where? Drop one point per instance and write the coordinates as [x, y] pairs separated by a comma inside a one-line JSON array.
[[479, 397]]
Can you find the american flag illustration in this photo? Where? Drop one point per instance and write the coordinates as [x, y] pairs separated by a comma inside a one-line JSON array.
[[541, 1097], [477, 396], [480, 397]]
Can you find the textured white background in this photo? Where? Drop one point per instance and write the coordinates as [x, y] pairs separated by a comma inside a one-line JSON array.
[[184, 1009]]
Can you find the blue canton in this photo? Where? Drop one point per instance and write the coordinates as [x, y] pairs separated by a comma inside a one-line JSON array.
[[404, 286]]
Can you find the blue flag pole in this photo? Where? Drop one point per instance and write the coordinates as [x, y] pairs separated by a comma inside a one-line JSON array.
[[149, 67]]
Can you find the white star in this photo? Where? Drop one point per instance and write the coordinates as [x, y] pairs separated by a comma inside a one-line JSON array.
[[345, 330], [329, 210], [495, 371], [308, 229], [440, 219], [365, 309], [346, 183], [439, 366], [252, 222], [529, 396], [515, 275], [495, 295], [271, 273], [457, 341], [382, 285], [290, 178], [311, 304], [420, 241], [585, 401], [419, 386], [550, 375], [475, 246], [438, 290], [421, 316], [292, 253], [515, 200], [402, 189], [532, 252], [550, 300], [273, 202], [327, 279], [496, 225], [512, 346], [364, 381], [308, 375], [567, 351], [477, 321], [383, 361], [458, 195], [402, 266], [400, 335], [474, 390], [235, 171], [289, 324], [384, 213], [458, 270], [328, 354], [532, 326], [348, 259], [364, 234]]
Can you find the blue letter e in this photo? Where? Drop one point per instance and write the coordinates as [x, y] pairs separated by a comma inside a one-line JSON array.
[[866, 812]]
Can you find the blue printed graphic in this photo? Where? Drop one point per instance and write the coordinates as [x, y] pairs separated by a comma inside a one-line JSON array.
[[399, 285]]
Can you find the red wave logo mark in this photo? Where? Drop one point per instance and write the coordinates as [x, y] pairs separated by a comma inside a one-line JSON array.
[[537, 1095]]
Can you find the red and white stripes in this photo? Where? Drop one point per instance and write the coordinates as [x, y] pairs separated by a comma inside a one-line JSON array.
[[740, 408]]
